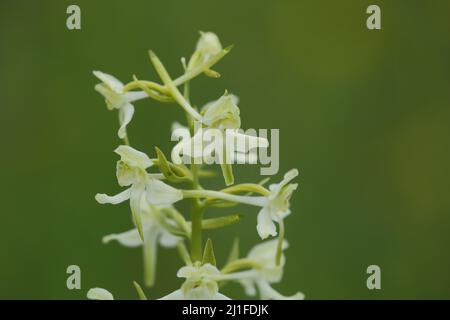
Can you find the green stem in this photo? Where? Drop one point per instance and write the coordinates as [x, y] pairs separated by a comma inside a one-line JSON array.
[[172, 88], [196, 236], [196, 218], [196, 207]]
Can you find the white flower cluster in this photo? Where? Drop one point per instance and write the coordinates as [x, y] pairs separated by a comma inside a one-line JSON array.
[[152, 195]]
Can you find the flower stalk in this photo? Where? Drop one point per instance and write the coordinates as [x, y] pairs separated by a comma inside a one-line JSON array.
[[153, 188]]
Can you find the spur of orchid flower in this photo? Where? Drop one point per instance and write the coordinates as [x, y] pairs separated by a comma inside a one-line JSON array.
[[155, 186]]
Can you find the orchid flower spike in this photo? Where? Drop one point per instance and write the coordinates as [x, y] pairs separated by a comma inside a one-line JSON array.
[[200, 284], [112, 90], [221, 120]]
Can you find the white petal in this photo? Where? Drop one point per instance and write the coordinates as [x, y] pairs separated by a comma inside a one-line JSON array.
[[113, 99], [267, 292], [208, 270], [265, 251], [245, 142], [220, 296], [125, 116], [110, 81], [223, 114], [177, 128], [176, 295], [208, 44], [159, 193], [168, 240], [265, 226], [133, 157], [291, 174], [249, 287], [240, 276], [118, 198], [99, 294], [201, 292], [234, 99], [128, 238], [186, 271], [135, 95]]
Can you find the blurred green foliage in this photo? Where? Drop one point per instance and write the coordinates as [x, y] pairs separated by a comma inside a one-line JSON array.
[[364, 115]]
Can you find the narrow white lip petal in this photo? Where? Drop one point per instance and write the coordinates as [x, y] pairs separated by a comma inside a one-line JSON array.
[[99, 294], [133, 157], [246, 142], [176, 295], [267, 292], [242, 275], [265, 226], [128, 238], [249, 287], [110, 81], [135, 95], [220, 296], [125, 115], [103, 198]]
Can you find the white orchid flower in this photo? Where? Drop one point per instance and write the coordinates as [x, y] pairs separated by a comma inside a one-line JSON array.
[[207, 46], [224, 114], [99, 294], [276, 205], [221, 115], [154, 234], [200, 284], [260, 278], [145, 189], [112, 90]]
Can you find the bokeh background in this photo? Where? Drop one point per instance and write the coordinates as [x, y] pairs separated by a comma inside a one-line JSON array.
[[364, 115]]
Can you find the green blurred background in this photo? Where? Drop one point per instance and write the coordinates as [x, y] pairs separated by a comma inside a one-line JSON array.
[[364, 115]]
